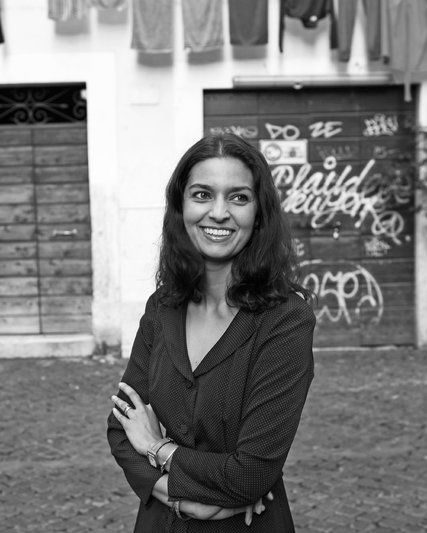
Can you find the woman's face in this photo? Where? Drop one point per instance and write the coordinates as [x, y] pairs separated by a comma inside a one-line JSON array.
[[219, 207]]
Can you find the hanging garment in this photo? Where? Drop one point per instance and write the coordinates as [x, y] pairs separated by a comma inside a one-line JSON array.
[[248, 22], [152, 26], [202, 24], [408, 41], [309, 12], [385, 31], [119, 5], [1, 30], [346, 18], [62, 10]]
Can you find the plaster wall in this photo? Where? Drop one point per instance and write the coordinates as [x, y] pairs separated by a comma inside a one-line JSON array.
[[143, 112]]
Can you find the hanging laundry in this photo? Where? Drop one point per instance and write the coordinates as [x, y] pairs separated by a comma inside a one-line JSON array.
[[407, 41], [1, 30], [202, 24], [119, 5], [62, 10], [152, 26], [248, 22], [385, 31], [309, 12], [346, 19]]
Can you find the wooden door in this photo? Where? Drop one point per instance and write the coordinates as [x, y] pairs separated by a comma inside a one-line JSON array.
[[45, 236], [343, 162], [19, 291], [63, 228]]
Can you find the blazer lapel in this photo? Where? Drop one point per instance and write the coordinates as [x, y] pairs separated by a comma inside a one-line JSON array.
[[241, 328], [238, 332], [173, 320]]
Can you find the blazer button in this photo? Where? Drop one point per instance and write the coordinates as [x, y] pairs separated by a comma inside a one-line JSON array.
[[184, 429]]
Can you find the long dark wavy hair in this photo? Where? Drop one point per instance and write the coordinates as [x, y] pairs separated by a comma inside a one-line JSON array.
[[264, 272]]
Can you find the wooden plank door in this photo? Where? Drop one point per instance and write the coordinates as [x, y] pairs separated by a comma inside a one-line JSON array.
[[19, 293], [45, 233], [343, 162], [63, 227]]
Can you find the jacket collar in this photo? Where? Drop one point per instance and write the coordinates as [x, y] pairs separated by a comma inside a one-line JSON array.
[[173, 320]]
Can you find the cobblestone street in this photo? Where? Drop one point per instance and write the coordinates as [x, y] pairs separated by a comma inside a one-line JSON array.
[[359, 462]]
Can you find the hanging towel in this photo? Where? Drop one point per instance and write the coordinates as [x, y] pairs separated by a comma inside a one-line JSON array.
[[62, 10], [248, 22], [408, 41], [346, 19], [309, 12], [202, 24], [152, 26]]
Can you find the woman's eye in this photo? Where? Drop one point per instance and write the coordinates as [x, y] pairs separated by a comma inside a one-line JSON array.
[[201, 195], [240, 198]]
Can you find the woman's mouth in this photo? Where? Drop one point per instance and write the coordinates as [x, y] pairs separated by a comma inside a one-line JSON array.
[[217, 234]]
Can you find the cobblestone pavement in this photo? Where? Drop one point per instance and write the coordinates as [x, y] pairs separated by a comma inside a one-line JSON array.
[[358, 462]]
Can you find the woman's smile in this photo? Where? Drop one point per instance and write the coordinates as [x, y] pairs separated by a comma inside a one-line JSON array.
[[217, 234]]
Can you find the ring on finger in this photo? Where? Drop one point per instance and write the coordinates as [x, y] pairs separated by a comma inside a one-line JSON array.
[[126, 409]]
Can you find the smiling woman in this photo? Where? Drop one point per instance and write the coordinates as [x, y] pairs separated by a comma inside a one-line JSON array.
[[219, 208], [222, 359]]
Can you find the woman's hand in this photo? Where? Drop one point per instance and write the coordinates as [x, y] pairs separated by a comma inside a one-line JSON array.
[[140, 424], [201, 511], [257, 508]]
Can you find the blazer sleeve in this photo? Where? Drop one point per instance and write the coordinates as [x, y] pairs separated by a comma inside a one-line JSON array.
[[140, 475], [277, 388]]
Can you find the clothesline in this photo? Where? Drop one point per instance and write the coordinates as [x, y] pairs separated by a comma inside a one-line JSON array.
[[396, 30]]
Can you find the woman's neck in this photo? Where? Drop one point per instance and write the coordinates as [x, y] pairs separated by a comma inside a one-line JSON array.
[[216, 282]]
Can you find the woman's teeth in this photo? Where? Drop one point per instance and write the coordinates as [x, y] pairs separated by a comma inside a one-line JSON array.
[[217, 232]]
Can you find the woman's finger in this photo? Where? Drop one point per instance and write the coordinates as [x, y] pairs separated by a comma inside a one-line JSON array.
[[248, 515], [133, 395], [270, 496], [124, 406], [259, 507], [121, 418]]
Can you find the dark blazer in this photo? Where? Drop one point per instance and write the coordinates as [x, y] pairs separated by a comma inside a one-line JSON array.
[[234, 418]]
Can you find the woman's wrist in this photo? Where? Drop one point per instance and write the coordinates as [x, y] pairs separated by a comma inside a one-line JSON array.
[[164, 456], [153, 452], [160, 490]]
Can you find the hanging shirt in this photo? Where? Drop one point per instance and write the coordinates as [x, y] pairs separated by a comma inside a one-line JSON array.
[[202, 24], [309, 12], [152, 26], [248, 22], [62, 10], [346, 19], [408, 41]]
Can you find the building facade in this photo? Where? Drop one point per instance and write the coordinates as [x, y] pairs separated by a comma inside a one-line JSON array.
[[81, 230]]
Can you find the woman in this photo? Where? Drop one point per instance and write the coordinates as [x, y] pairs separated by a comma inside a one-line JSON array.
[[223, 355]]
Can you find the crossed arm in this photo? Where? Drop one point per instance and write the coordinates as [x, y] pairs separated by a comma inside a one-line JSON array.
[[209, 484], [142, 428]]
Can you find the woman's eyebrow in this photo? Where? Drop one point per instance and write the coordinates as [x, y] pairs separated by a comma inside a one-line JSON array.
[[231, 189]]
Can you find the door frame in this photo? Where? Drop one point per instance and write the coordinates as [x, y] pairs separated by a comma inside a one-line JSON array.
[[98, 72]]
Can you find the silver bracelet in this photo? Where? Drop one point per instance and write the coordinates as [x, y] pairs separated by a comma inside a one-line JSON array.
[[175, 508], [162, 465]]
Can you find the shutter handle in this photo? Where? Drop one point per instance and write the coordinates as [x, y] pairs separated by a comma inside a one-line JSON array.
[[64, 233], [336, 230]]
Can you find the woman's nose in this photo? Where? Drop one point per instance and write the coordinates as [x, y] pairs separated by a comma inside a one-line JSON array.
[[219, 210]]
